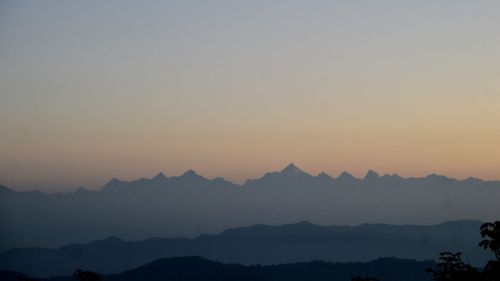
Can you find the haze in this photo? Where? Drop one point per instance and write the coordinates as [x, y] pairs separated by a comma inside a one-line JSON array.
[[92, 90]]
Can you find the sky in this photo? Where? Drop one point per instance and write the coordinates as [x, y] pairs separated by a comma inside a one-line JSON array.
[[92, 90]]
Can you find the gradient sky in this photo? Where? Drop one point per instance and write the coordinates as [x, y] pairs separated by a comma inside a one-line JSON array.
[[91, 90]]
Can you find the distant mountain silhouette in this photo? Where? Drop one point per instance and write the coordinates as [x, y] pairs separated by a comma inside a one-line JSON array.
[[190, 204], [290, 175], [196, 269], [259, 244], [199, 269]]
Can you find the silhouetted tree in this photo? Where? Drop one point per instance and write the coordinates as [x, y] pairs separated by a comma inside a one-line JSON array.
[[491, 234], [84, 275], [452, 268], [491, 241]]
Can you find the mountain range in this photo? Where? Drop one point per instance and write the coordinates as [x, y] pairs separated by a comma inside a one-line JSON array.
[[198, 269], [190, 205], [259, 244]]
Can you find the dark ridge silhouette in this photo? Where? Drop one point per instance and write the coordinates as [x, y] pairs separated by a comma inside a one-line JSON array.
[[6, 275], [198, 269], [451, 267], [261, 244], [85, 275]]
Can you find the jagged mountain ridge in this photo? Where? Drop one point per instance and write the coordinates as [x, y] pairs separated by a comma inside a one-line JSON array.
[[291, 171], [190, 205]]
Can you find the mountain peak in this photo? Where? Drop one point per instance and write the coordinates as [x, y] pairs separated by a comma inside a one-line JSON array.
[[346, 177], [372, 175], [440, 178], [324, 176], [159, 176], [292, 169], [114, 182], [190, 174]]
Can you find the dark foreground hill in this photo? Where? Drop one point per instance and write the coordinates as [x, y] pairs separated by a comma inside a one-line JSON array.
[[197, 269], [258, 244], [11, 276]]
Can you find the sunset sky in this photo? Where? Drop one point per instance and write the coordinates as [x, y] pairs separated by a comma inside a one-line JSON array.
[[91, 90]]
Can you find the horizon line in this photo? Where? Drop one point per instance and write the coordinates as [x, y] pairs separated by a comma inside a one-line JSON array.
[[291, 167]]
